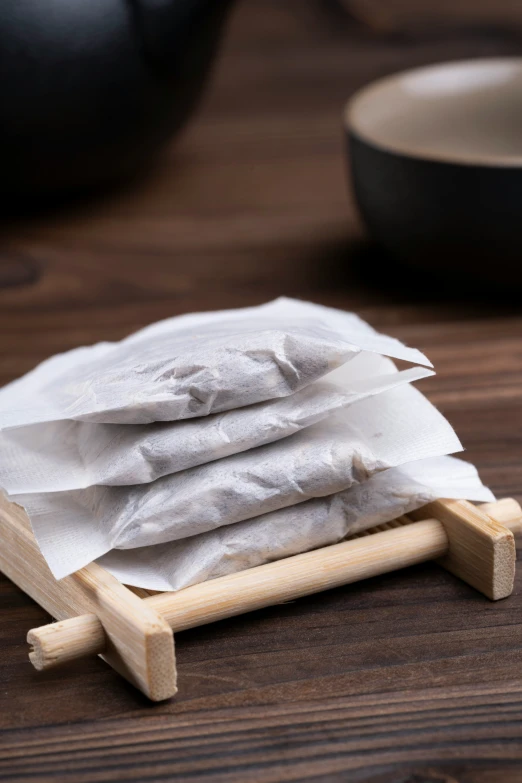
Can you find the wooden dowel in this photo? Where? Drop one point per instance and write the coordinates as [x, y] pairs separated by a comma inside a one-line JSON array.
[[255, 588], [57, 643], [300, 575]]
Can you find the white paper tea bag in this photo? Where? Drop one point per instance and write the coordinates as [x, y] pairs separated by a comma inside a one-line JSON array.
[[398, 426], [66, 455], [194, 365], [300, 528]]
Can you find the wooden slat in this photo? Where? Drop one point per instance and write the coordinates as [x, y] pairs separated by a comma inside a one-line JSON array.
[[481, 550], [138, 643]]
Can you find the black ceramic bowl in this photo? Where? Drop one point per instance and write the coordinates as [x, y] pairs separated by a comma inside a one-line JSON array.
[[436, 165]]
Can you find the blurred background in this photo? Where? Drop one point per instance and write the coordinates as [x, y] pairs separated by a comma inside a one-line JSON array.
[[249, 200]]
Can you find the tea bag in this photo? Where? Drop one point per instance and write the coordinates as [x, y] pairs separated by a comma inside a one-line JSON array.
[[194, 365], [65, 455], [398, 426], [300, 528]]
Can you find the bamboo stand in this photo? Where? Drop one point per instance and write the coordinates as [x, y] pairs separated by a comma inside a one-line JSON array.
[[133, 630]]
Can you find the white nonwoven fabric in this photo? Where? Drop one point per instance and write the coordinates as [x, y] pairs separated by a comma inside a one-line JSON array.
[[299, 528], [194, 365], [66, 455], [395, 427]]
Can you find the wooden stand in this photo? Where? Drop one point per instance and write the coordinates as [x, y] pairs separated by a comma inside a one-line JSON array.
[[133, 630]]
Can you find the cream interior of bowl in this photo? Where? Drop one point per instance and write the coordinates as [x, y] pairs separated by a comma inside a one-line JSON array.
[[467, 112]]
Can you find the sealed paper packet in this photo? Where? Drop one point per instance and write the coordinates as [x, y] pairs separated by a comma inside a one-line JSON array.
[[316, 523], [398, 426], [164, 450], [194, 365], [65, 455]]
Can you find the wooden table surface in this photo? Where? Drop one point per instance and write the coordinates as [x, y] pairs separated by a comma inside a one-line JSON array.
[[409, 677]]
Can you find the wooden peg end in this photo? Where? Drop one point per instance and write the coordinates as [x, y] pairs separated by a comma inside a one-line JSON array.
[[481, 550]]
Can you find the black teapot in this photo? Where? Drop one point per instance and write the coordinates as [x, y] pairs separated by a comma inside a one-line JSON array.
[[90, 90]]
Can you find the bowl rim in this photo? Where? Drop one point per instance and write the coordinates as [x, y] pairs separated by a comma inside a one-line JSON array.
[[487, 160]]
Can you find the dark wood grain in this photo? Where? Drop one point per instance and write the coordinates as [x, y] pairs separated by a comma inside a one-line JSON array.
[[410, 678]]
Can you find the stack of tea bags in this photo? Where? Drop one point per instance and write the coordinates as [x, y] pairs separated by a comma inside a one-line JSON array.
[[210, 443]]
